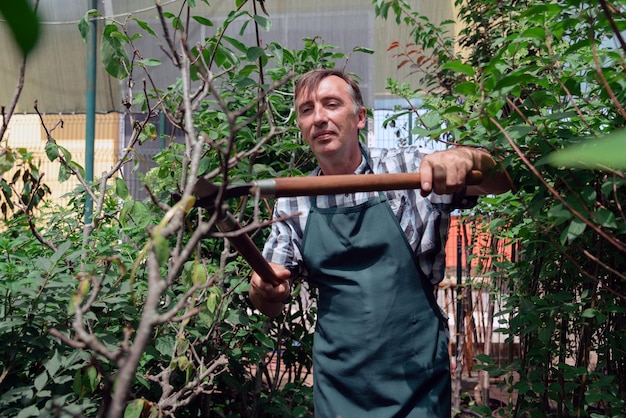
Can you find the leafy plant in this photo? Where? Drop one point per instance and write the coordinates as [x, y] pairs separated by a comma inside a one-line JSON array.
[[537, 77], [143, 309]]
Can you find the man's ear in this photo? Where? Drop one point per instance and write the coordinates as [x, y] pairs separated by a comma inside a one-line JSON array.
[[362, 116]]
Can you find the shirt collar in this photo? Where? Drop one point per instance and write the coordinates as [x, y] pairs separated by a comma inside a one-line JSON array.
[[363, 168]]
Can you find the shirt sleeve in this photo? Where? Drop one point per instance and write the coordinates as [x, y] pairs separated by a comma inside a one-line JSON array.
[[435, 221], [283, 246]]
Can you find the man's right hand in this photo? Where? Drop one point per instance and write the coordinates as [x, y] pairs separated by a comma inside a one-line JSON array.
[[267, 298]]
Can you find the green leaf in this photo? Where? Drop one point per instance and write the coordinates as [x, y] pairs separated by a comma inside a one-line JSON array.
[[121, 189], [240, 46], [182, 359], [52, 150], [363, 49], [212, 303], [575, 229], [520, 131], [484, 358], [224, 55], [482, 410], [77, 167], [54, 364], [77, 385], [23, 23], [177, 24], [244, 83], [558, 214], [29, 411], [134, 409], [148, 133], [513, 80], [150, 62], [605, 218], [161, 249], [538, 12], [237, 317], [91, 379], [253, 53], [264, 339], [263, 22], [589, 313], [468, 88], [562, 116], [8, 325], [136, 212], [66, 153], [143, 25], [64, 173], [597, 153], [113, 53], [459, 67], [200, 274], [164, 344], [612, 184], [545, 335], [83, 24], [203, 21], [535, 33], [41, 380]]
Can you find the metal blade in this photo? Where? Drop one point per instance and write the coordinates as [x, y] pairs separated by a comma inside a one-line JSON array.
[[206, 192]]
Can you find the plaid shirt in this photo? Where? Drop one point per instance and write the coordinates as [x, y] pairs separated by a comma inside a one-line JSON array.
[[425, 221]]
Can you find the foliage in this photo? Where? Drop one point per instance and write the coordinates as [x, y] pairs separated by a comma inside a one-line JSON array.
[[539, 77], [143, 311], [25, 189]]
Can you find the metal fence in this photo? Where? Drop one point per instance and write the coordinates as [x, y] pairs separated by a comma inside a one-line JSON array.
[[390, 132]]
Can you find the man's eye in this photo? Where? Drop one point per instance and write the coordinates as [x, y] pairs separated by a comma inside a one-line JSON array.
[[305, 110]]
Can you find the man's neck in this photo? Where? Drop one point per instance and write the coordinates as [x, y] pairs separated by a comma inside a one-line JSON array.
[[341, 167], [339, 164]]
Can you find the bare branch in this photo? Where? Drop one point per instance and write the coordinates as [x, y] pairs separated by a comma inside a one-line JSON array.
[[6, 118]]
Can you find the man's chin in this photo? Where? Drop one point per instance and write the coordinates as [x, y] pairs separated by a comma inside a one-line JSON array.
[[324, 146], [325, 150]]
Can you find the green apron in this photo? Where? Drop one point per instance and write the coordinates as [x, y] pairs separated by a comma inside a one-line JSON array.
[[381, 346]]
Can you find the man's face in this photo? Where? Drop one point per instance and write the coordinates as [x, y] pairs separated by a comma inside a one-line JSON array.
[[327, 119]]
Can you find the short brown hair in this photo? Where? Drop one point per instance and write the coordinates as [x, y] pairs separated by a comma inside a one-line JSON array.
[[313, 78]]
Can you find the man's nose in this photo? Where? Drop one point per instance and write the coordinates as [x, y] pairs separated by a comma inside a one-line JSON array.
[[319, 115]]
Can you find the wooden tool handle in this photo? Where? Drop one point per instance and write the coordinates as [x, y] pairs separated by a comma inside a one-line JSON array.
[[337, 184], [248, 249]]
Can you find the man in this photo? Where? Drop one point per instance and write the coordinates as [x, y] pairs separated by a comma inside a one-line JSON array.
[[380, 347]]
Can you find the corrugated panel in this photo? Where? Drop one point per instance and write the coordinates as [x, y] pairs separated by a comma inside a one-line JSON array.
[[387, 32], [55, 74], [56, 70]]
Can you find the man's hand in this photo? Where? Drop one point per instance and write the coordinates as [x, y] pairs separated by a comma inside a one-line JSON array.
[[444, 172], [268, 298]]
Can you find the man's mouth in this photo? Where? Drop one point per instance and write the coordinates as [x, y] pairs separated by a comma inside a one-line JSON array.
[[323, 135]]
